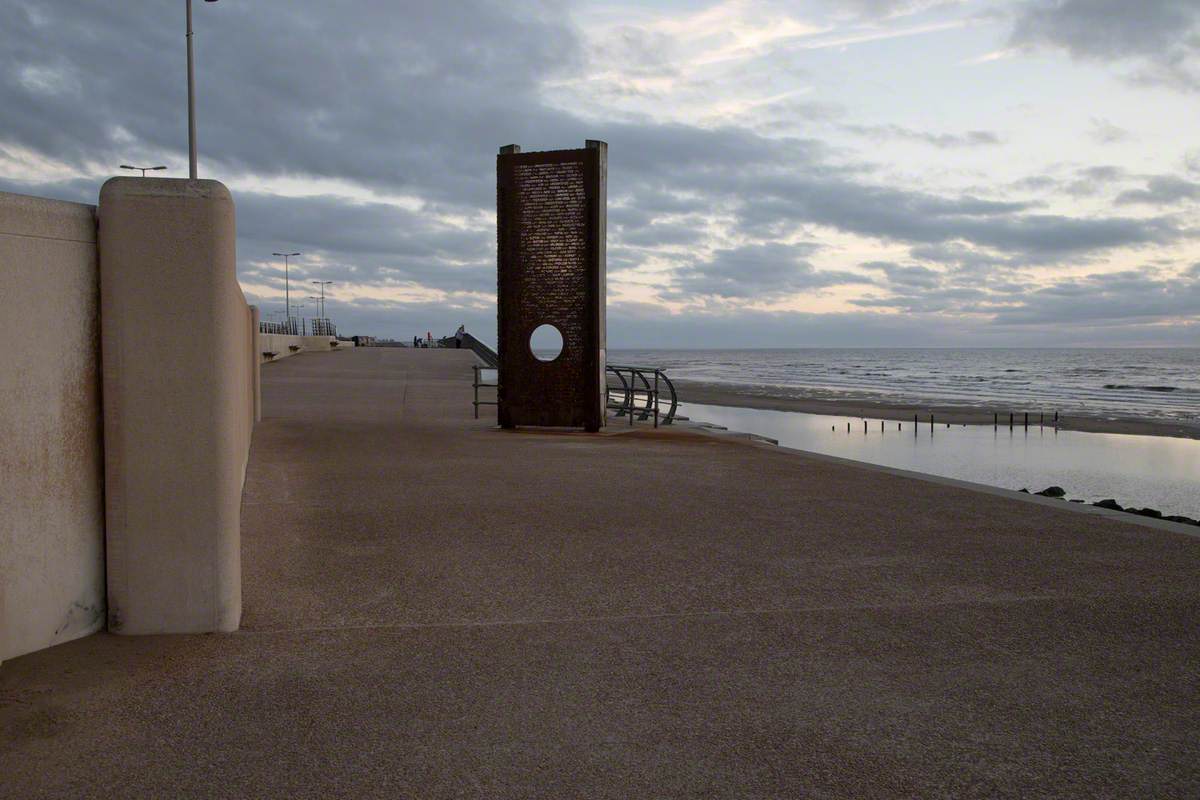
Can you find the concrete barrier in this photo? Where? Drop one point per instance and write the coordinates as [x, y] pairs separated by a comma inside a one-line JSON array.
[[281, 345], [51, 457], [178, 408]]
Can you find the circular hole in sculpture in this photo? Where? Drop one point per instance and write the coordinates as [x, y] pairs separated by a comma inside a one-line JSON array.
[[546, 342]]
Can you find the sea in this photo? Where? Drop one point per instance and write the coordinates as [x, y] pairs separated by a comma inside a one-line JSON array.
[[1159, 383], [1160, 472]]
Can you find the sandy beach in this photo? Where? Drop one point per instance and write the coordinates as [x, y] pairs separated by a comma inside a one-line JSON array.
[[784, 399]]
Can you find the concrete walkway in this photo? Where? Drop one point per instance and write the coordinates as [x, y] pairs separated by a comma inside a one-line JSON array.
[[434, 608]]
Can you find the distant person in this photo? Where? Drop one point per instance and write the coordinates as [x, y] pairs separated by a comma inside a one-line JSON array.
[[458, 336]]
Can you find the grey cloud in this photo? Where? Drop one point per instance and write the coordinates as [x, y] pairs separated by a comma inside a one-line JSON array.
[[760, 271], [660, 234], [916, 217], [962, 259], [363, 93], [1109, 298], [910, 276], [415, 103], [1160, 37], [1105, 132], [942, 140], [1161, 190], [1090, 181], [1130, 298], [650, 326], [1191, 160]]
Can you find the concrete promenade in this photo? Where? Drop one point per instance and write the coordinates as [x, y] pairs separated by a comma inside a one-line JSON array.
[[435, 608]]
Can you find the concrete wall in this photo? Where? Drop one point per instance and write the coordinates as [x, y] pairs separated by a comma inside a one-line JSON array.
[[123, 449], [51, 457], [281, 344], [178, 410]]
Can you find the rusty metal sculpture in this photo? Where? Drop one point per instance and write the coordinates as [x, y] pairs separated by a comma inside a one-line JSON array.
[[550, 219]]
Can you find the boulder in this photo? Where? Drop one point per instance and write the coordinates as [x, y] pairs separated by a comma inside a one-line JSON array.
[[1053, 491], [1184, 520], [1109, 503], [1146, 512]]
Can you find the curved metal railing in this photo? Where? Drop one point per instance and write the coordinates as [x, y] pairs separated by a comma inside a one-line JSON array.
[[630, 401]]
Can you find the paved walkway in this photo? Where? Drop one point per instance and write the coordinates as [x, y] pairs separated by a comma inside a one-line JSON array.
[[434, 608]]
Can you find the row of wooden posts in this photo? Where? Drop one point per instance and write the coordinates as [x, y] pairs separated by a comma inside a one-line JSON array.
[[995, 422]]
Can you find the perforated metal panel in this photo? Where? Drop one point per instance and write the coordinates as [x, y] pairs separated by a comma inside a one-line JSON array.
[[550, 215]]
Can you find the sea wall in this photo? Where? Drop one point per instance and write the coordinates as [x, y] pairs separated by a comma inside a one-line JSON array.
[[281, 345], [178, 409], [51, 457]]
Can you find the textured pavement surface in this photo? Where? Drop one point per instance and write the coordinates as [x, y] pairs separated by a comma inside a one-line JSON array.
[[435, 608]]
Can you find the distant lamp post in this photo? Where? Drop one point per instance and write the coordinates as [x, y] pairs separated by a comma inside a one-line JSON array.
[[191, 79], [287, 301], [304, 327], [143, 169], [322, 284]]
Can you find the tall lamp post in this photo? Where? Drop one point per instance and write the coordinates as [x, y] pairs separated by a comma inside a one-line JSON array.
[[191, 78], [322, 284], [143, 169], [287, 302]]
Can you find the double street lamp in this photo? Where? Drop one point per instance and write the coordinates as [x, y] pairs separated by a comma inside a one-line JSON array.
[[287, 302], [143, 169], [322, 284]]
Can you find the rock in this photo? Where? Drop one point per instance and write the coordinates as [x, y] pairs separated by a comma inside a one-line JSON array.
[[1026, 491], [1053, 491], [1075, 501], [1184, 520], [1146, 512], [1110, 503]]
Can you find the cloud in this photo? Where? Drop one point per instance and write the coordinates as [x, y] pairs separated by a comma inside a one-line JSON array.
[[1159, 38], [1161, 190], [760, 271], [366, 138], [941, 140], [1108, 297], [1104, 132], [1145, 296], [917, 217], [911, 276]]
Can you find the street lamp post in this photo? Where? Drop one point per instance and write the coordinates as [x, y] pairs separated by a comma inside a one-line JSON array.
[[143, 169], [287, 302], [191, 78], [322, 284]]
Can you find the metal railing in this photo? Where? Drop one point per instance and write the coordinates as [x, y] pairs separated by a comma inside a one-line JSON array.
[[479, 384], [639, 393], [643, 402]]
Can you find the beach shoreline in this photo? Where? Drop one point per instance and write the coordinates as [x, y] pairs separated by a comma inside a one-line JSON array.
[[790, 399]]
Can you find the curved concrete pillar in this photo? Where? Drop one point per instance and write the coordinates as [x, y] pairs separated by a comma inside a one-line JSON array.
[[178, 400]]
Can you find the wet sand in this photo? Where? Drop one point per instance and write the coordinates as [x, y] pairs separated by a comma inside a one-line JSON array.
[[780, 399]]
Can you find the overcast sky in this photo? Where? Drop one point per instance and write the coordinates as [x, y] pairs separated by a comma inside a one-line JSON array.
[[862, 172]]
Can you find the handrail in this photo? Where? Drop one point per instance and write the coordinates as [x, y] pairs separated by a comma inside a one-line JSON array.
[[469, 342], [630, 402], [479, 384]]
